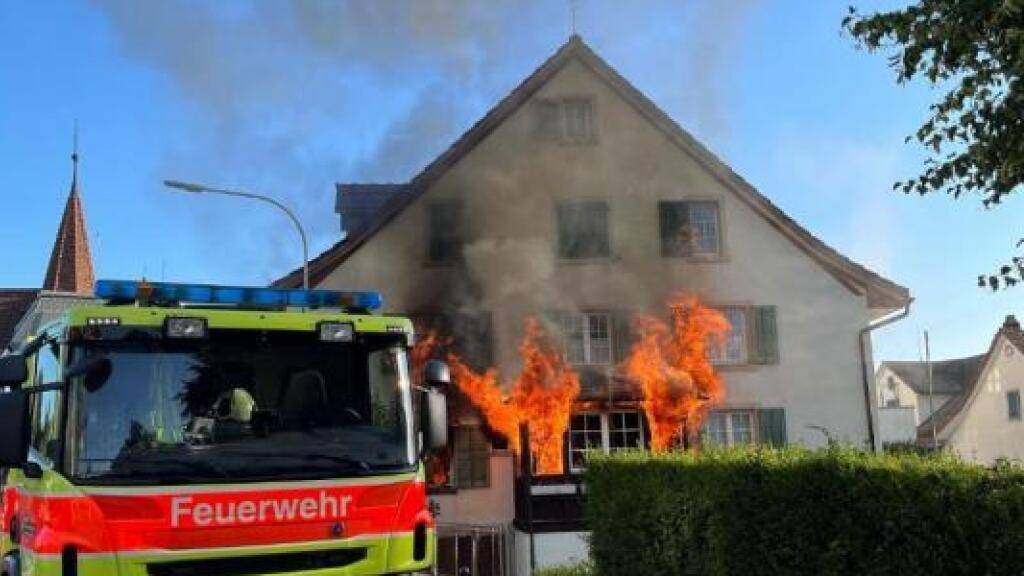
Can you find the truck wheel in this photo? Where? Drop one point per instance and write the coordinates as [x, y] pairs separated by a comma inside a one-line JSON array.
[[11, 566]]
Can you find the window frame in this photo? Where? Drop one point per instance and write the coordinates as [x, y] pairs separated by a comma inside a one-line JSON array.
[[745, 341], [605, 430], [564, 215], [1013, 396], [672, 250], [483, 452], [550, 120], [730, 432], [55, 347], [453, 236], [585, 318]]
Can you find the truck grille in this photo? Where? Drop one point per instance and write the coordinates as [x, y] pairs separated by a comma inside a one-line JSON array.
[[259, 564]]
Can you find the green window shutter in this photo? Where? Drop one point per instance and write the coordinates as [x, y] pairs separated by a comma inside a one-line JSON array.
[[772, 426], [766, 335]]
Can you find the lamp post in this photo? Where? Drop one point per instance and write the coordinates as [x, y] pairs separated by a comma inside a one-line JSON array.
[[202, 188]]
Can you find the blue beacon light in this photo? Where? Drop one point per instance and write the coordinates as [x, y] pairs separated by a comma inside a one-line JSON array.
[[131, 290]]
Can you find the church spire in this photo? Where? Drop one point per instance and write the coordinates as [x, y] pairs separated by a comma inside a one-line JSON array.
[[70, 267]]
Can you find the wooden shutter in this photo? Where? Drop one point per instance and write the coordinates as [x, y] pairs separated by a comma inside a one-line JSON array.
[[772, 426], [766, 335]]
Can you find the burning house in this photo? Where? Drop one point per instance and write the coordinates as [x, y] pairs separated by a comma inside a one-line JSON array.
[[599, 280]]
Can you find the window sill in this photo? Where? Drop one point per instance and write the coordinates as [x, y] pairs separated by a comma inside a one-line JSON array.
[[704, 259], [745, 367], [599, 260], [442, 265]]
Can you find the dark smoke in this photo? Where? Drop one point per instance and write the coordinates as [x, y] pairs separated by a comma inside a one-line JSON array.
[[289, 97]]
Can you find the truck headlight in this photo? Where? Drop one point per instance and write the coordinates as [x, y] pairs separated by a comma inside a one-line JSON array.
[[188, 328], [336, 331]]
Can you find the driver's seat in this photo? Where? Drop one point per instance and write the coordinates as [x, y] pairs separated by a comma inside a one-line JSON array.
[[304, 401]]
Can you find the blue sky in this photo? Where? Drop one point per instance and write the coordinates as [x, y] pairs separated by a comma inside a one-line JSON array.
[[289, 98]]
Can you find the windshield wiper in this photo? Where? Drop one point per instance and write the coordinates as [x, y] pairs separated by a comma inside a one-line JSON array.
[[348, 461]]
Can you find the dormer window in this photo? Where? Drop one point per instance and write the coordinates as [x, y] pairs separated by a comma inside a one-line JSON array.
[[568, 120]]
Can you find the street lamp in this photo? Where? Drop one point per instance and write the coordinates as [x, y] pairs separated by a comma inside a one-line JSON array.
[[201, 188]]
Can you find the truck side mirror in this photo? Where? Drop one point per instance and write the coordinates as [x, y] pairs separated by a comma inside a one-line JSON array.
[[13, 370], [436, 374], [434, 420], [14, 428]]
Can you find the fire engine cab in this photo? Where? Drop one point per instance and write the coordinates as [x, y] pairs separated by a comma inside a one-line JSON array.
[[186, 430]]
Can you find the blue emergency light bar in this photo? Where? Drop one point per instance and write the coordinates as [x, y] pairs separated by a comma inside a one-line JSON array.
[[161, 292]]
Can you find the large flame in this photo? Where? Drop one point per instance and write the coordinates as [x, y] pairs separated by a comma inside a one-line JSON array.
[[670, 363], [542, 397], [426, 348]]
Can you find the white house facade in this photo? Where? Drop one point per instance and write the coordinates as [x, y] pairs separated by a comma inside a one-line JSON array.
[[575, 199]]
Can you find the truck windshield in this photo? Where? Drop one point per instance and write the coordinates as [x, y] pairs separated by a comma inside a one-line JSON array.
[[239, 406]]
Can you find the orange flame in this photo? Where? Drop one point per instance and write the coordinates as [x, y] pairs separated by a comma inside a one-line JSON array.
[[542, 397], [426, 348], [670, 362]]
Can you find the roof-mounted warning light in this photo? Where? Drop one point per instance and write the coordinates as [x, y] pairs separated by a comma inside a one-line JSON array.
[[166, 292]]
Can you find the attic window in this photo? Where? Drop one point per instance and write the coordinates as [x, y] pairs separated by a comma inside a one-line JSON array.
[[690, 229], [568, 120]]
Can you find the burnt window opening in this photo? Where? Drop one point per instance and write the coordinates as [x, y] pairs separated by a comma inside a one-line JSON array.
[[472, 458], [690, 228], [566, 120], [583, 230], [444, 223]]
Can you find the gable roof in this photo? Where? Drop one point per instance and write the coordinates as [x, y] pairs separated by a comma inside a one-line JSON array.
[[880, 292], [70, 267], [14, 303], [948, 376], [948, 412]]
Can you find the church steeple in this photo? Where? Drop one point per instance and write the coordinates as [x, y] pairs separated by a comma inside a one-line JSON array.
[[70, 268]]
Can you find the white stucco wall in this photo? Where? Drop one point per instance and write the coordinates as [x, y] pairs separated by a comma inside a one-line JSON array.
[[897, 425], [553, 549], [983, 432], [482, 506]]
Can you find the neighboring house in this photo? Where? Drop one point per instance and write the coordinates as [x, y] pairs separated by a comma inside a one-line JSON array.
[[906, 399], [575, 199], [982, 422], [69, 275]]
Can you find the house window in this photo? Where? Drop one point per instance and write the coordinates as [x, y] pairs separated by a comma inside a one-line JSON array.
[[605, 431], [565, 120], [625, 431], [690, 228], [583, 230], [445, 230], [578, 120], [588, 338], [728, 428], [734, 350], [1013, 404], [472, 458]]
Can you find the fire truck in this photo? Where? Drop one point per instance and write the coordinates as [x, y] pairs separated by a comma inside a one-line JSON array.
[[186, 430]]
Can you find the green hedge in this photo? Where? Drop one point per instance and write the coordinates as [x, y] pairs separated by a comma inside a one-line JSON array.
[[793, 511], [569, 570]]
